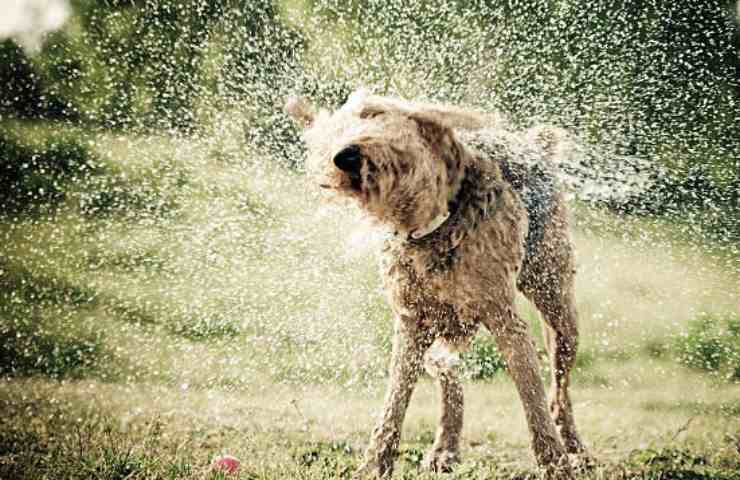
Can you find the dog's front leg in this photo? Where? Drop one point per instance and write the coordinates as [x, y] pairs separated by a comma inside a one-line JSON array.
[[444, 454], [516, 345], [409, 345]]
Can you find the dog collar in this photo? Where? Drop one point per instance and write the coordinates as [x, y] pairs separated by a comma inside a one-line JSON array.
[[431, 226], [437, 221]]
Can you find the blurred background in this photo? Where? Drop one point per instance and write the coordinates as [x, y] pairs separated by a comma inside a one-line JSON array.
[[171, 287]]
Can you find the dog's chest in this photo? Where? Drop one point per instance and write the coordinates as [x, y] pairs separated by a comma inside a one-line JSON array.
[[426, 300], [479, 270]]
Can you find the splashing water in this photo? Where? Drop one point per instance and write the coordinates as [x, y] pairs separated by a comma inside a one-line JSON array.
[[157, 230]]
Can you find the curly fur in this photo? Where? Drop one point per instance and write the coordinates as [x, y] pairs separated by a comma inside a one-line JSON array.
[[406, 164]]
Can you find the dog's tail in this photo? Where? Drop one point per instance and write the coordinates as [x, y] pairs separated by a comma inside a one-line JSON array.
[[556, 143]]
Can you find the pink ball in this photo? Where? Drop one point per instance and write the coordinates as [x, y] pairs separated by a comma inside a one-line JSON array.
[[225, 464]]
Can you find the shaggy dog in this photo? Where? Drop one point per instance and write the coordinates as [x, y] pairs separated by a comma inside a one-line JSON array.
[[476, 215]]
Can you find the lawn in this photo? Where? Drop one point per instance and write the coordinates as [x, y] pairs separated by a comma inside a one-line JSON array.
[[211, 304]]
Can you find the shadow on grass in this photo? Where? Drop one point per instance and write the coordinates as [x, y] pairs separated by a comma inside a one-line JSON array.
[[82, 446], [32, 345], [28, 349]]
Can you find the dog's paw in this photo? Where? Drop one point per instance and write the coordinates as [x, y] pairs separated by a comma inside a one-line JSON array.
[[560, 470], [440, 461], [558, 473], [372, 469], [364, 471], [582, 461]]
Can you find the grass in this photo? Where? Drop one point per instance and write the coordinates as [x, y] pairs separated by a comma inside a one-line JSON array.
[[243, 318], [146, 431]]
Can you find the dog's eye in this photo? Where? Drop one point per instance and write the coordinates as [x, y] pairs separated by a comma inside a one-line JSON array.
[[370, 113]]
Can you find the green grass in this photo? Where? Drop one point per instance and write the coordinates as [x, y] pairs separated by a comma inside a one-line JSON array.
[[60, 430]]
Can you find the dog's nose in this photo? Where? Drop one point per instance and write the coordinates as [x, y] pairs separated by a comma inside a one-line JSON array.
[[349, 159]]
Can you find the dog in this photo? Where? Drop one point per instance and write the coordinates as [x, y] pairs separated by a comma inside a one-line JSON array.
[[476, 214]]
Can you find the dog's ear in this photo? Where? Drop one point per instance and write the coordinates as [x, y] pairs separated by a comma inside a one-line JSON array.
[[300, 110], [448, 117], [444, 116], [554, 141]]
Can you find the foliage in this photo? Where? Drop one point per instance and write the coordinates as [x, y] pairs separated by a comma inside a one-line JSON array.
[[657, 82], [40, 438], [206, 328], [691, 195], [326, 457], [23, 94], [575, 60], [43, 166], [107, 195], [676, 463], [31, 344], [483, 361], [35, 174], [712, 344], [150, 63], [94, 448]]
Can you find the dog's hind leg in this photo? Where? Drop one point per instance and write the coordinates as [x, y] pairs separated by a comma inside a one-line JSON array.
[[557, 307], [409, 345], [547, 279], [562, 345], [445, 452]]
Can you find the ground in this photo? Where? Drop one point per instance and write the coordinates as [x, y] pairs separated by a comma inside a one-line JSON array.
[[680, 428], [240, 317]]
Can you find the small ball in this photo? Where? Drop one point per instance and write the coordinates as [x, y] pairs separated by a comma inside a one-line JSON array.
[[225, 464]]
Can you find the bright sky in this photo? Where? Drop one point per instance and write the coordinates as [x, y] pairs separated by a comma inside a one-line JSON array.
[[27, 21]]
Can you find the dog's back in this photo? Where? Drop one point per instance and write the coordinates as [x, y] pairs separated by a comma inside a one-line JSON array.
[[527, 168]]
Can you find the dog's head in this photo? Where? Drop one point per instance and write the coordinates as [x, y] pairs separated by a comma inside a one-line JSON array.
[[400, 160]]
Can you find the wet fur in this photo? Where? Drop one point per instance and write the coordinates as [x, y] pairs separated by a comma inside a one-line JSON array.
[[507, 230]]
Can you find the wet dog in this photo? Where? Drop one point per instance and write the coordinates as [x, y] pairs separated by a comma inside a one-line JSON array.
[[477, 215]]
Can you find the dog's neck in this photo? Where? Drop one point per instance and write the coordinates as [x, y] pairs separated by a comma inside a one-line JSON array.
[[440, 219], [453, 201]]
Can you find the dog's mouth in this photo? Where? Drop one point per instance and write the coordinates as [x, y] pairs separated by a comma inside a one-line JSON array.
[[353, 185]]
